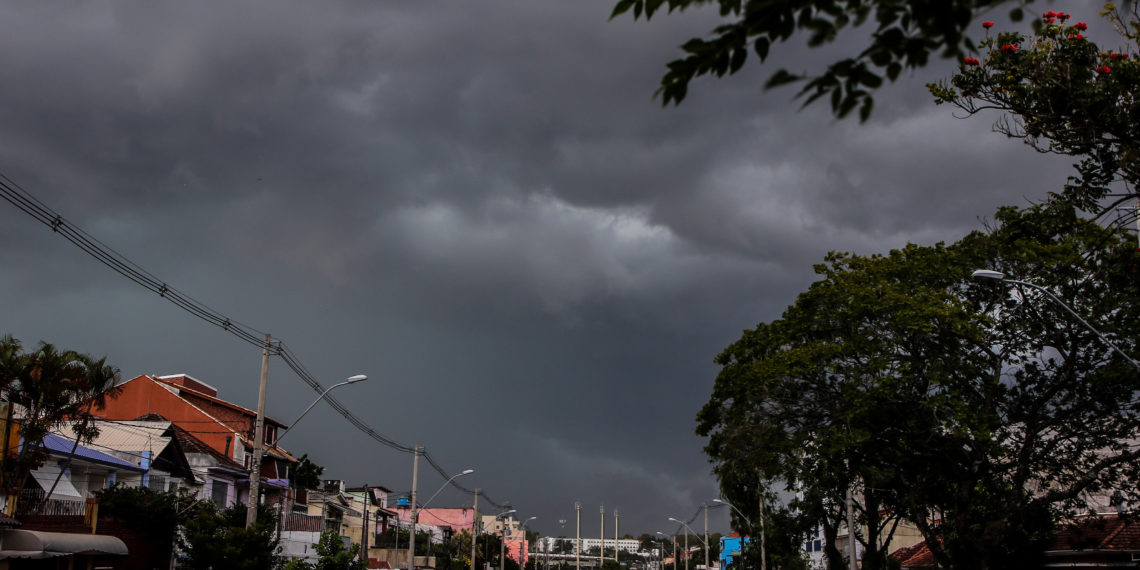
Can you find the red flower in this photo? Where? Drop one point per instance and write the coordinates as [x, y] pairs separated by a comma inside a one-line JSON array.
[[1081, 26], [1049, 20], [1010, 48], [1076, 37], [970, 61], [987, 24], [1104, 69]]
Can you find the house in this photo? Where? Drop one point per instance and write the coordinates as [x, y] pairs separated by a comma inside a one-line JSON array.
[[56, 513], [149, 445], [514, 536], [226, 428], [730, 548], [1110, 541]]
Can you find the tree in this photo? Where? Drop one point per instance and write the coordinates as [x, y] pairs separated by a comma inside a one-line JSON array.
[[156, 514], [54, 389], [214, 539], [1061, 93], [976, 412], [306, 475], [332, 555], [905, 35]]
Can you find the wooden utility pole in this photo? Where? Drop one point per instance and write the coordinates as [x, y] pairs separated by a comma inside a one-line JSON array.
[[258, 440]]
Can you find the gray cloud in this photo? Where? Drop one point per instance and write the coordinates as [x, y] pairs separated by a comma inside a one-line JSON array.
[[478, 204]]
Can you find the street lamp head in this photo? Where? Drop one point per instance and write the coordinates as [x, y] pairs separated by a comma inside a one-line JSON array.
[[467, 471], [988, 274], [674, 520], [720, 501], [355, 379]]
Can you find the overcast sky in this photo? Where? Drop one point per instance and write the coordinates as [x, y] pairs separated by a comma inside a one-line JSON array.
[[478, 204]]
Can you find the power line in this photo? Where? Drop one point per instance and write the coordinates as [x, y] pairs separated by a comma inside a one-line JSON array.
[[14, 194]]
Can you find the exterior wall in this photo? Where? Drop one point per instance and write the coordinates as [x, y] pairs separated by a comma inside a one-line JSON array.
[[300, 544], [628, 545], [457, 519], [143, 395]]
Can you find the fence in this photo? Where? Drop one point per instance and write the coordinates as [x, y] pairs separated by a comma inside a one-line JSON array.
[[33, 502]]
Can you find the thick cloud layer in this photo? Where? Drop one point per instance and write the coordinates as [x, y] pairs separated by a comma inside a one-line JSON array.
[[479, 205]]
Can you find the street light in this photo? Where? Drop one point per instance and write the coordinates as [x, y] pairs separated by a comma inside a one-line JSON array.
[[688, 530], [503, 541], [999, 276], [522, 525], [763, 554], [349, 380], [674, 552], [259, 436], [416, 515]]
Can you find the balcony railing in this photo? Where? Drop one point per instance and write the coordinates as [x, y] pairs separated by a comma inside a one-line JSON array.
[[32, 502]]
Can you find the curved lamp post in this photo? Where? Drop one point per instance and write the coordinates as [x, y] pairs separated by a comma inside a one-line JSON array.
[[674, 551], [763, 556], [349, 380], [689, 529], [503, 541], [255, 464], [999, 276], [416, 515]]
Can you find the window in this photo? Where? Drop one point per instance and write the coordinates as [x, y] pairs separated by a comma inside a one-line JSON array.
[[218, 492]]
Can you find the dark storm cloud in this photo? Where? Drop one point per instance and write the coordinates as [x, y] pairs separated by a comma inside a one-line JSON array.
[[478, 204]]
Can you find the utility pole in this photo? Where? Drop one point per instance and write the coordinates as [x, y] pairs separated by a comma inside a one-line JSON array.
[[602, 535], [258, 440], [415, 480], [707, 567], [687, 553], [364, 531], [474, 527], [615, 535], [578, 535]]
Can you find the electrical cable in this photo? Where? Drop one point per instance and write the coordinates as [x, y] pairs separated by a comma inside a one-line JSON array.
[[23, 200]]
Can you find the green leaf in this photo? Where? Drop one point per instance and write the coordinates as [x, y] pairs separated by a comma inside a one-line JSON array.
[[738, 57], [622, 7], [782, 77], [762, 45], [866, 108]]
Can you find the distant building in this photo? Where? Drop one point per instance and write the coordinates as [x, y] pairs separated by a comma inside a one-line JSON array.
[[731, 547]]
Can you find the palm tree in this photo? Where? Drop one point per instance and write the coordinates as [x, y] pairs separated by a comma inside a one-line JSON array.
[[54, 389]]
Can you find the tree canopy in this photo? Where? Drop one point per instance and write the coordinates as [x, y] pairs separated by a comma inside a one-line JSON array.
[[978, 411], [1062, 93], [903, 35], [53, 389]]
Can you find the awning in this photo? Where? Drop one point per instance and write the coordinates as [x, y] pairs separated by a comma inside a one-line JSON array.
[[64, 490], [17, 543]]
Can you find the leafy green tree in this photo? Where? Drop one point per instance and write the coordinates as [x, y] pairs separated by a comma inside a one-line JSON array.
[[54, 389], [903, 35], [1061, 93], [978, 412], [332, 555], [156, 514], [214, 539], [306, 475]]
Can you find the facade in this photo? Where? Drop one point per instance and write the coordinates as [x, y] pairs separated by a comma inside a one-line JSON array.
[[730, 548], [569, 545], [514, 536], [226, 428]]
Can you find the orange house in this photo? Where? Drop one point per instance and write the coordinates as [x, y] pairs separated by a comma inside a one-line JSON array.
[[195, 407]]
